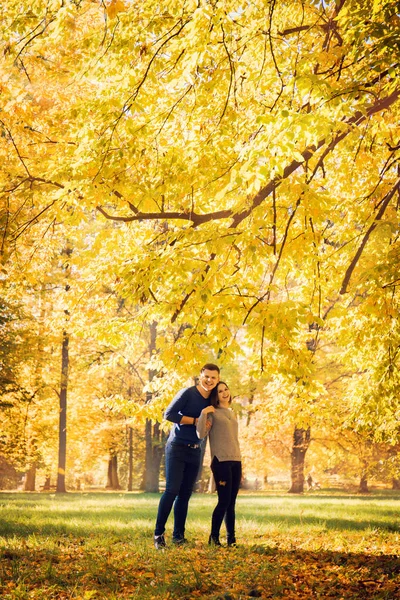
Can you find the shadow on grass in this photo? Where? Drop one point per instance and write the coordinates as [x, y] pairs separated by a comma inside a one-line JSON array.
[[123, 514], [329, 574]]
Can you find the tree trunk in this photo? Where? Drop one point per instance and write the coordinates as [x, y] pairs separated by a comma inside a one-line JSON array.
[[301, 442], [130, 459], [30, 479], [47, 483], [154, 437], [363, 487], [33, 454], [112, 474], [62, 432], [395, 483], [109, 475], [252, 389], [155, 440]]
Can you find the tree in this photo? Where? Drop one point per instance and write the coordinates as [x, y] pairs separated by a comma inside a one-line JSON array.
[[246, 159], [301, 442], [62, 432], [153, 434]]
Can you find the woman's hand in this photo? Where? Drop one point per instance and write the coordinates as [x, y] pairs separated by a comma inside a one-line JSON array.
[[205, 422]]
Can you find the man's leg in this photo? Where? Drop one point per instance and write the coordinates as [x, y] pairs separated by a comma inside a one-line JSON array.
[[182, 502], [174, 471]]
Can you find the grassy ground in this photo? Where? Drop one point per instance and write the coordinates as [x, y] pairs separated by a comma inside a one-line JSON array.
[[99, 546]]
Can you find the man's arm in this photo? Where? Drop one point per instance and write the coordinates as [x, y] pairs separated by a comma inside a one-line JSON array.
[[175, 411], [188, 420]]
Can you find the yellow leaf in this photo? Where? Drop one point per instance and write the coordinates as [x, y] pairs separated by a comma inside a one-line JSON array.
[[115, 7]]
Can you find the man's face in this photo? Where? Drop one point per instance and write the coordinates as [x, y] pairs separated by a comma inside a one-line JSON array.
[[208, 380]]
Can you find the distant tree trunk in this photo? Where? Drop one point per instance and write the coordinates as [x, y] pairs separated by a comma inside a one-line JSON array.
[[33, 454], [130, 459], [109, 474], [395, 484], [46, 485], [363, 487], [154, 437], [301, 442], [252, 389], [112, 474], [30, 479], [62, 433]]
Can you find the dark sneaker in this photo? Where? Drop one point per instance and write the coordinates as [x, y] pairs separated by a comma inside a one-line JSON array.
[[159, 542], [179, 541]]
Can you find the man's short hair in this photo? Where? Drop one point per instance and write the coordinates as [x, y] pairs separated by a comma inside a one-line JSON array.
[[210, 367]]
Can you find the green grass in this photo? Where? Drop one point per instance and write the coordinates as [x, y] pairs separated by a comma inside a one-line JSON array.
[[99, 545]]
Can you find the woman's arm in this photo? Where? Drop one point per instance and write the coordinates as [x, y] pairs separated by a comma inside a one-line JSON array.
[[204, 422]]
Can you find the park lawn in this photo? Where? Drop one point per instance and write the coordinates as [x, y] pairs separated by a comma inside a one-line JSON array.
[[99, 546]]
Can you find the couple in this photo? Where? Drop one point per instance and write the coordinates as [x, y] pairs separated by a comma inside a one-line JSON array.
[[196, 411]]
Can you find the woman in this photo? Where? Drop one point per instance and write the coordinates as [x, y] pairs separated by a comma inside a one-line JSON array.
[[226, 464]]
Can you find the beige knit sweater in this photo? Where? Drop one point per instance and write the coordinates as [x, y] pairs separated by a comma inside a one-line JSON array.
[[223, 435]]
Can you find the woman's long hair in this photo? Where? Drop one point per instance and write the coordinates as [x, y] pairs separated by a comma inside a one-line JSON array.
[[214, 401]]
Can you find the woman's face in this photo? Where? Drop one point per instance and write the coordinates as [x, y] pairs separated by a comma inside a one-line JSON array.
[[224, 394]]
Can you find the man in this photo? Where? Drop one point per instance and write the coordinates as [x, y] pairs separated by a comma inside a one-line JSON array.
[[182, 454]]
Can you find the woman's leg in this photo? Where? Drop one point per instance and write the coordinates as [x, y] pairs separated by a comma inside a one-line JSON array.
[[236, 476], [223, 482]]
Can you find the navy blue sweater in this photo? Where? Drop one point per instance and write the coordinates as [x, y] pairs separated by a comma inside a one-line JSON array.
[[188, 402]]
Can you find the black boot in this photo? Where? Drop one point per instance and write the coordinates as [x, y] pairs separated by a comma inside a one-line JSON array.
[[231, 539], [213, 540]]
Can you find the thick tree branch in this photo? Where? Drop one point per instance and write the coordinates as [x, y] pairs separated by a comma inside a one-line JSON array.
[[353, 264], [31, 179], [195, 218], [198, 219], [358, 118], [330, 26]]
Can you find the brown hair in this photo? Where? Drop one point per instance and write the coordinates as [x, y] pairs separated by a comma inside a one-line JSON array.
[[209, 367], [214, 395]]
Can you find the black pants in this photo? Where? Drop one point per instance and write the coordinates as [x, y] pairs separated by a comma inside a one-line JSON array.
[[227, 475]]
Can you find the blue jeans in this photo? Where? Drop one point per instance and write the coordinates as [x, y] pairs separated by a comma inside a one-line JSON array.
[[181, 468]]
